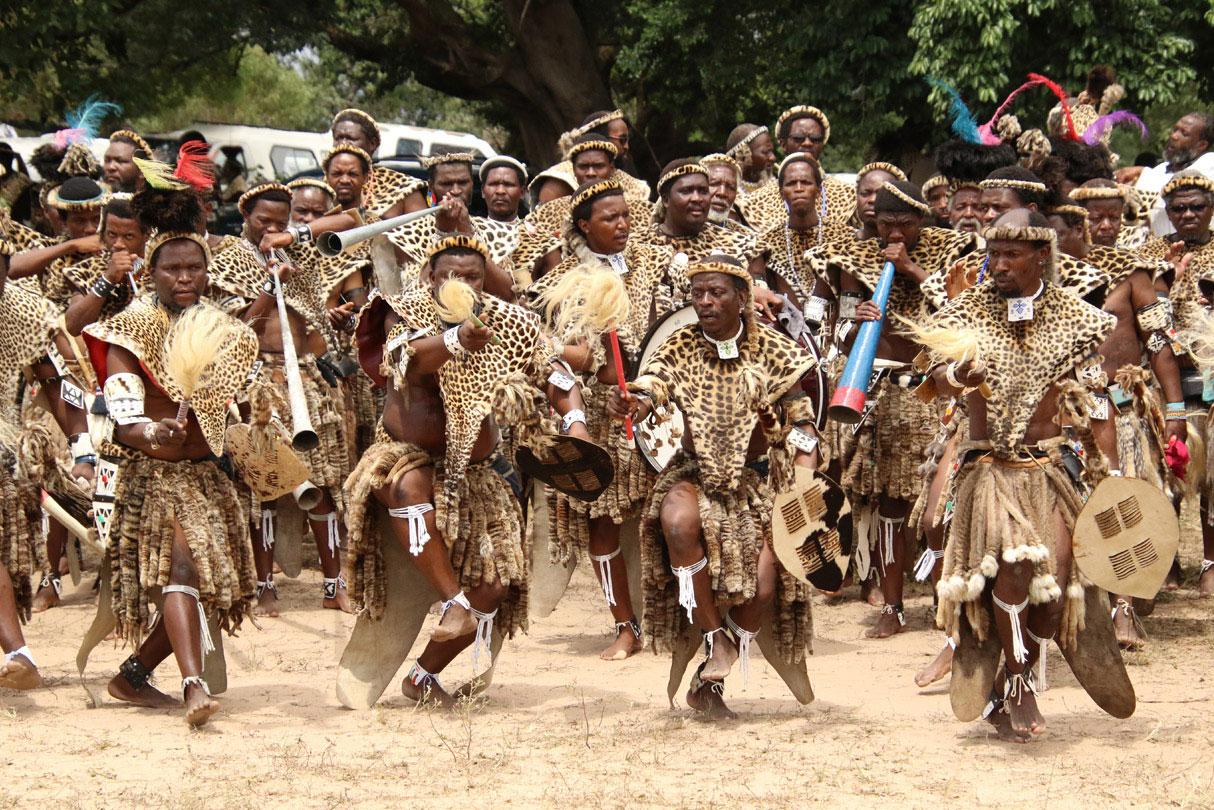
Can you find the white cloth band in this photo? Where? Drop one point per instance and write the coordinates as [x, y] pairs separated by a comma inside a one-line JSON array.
[[604, 563], [687, 594], [802, 440], [484, 630], [744, 638], [267, 529], [1041, 650], [887, 526], [22, 651], [1019, 651], [415, 515], [81, 445], [562, 379], [927, 561], [204, 629], [194, 680], [330, 519]]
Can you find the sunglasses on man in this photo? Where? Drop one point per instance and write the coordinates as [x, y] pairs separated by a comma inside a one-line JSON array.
[[798, 139], [1181, 208]]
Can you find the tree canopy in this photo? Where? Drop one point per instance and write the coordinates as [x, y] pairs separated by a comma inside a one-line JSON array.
[[685, 71]]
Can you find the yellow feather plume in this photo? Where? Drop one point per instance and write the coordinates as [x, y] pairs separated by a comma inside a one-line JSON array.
[[586, 302], [951, 343], [1198, 337], [195, 343], [456, 301]]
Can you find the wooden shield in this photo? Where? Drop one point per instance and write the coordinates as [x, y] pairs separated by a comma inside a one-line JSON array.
[[272, 471], [376, 649], [1126, 537], [811, 530], [576, 467]]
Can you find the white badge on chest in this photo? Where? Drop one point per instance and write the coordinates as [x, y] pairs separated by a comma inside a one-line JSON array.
[[726, 349], [1021, 309]]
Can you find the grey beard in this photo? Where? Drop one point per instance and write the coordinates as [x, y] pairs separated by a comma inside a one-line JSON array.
[[717, 217], [1180, 158], [977, 223]]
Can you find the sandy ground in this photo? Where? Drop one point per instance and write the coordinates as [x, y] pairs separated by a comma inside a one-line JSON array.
[[560, 728]]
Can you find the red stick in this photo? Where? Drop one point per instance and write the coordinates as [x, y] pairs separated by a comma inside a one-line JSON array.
[[619, 372]]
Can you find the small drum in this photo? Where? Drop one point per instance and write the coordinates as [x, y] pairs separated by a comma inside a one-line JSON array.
[[658, 443]]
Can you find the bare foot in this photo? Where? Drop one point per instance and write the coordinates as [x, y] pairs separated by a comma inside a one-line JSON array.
[[456, 622], [1025, 716], [937, 669], [267, 603], [889, 623], [871, 593], [47, 596], [709, 700], [1205, 585], [1003, 727], [339, 602], [718, 665], [429, 692], [1172, 581], [20, 673], [1123, 626], [121, 689], [626, 643], [199, 706]]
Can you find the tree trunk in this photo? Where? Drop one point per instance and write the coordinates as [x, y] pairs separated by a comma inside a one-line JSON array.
[[547, 78]]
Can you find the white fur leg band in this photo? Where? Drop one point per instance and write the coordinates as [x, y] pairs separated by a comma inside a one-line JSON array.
[[415, 515], [603, 561], [1019, 651], [267, 529], [330, 519], [888, 526], [1041, 650], [204, 630], [22, 651], [687, 594], [484, 631], [744, 638], [923, 568]]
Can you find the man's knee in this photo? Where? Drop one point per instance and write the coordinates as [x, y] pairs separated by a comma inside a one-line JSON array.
[[182, 572], [414, 487], [765, 590], [681, 529]]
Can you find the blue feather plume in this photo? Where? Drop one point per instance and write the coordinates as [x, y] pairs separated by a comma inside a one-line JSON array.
[[965, 126], [84, 122]]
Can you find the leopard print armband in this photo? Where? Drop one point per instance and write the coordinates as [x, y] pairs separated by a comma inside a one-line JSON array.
[[1155, 321]]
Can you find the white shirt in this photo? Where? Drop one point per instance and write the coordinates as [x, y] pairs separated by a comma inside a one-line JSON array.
[[1154, 178]]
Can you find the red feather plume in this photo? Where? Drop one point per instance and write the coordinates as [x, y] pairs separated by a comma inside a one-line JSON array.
[[1008, 101], [194, 166], [1057, 90]]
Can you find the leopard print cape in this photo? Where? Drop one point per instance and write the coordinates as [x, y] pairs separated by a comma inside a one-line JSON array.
[[1025, 358], [387, 187], [142, 329], [1076, 276], [687, 370], [474, 384]]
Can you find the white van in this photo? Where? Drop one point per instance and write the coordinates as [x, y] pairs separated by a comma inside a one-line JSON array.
[[264, 153], [403, 139]]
